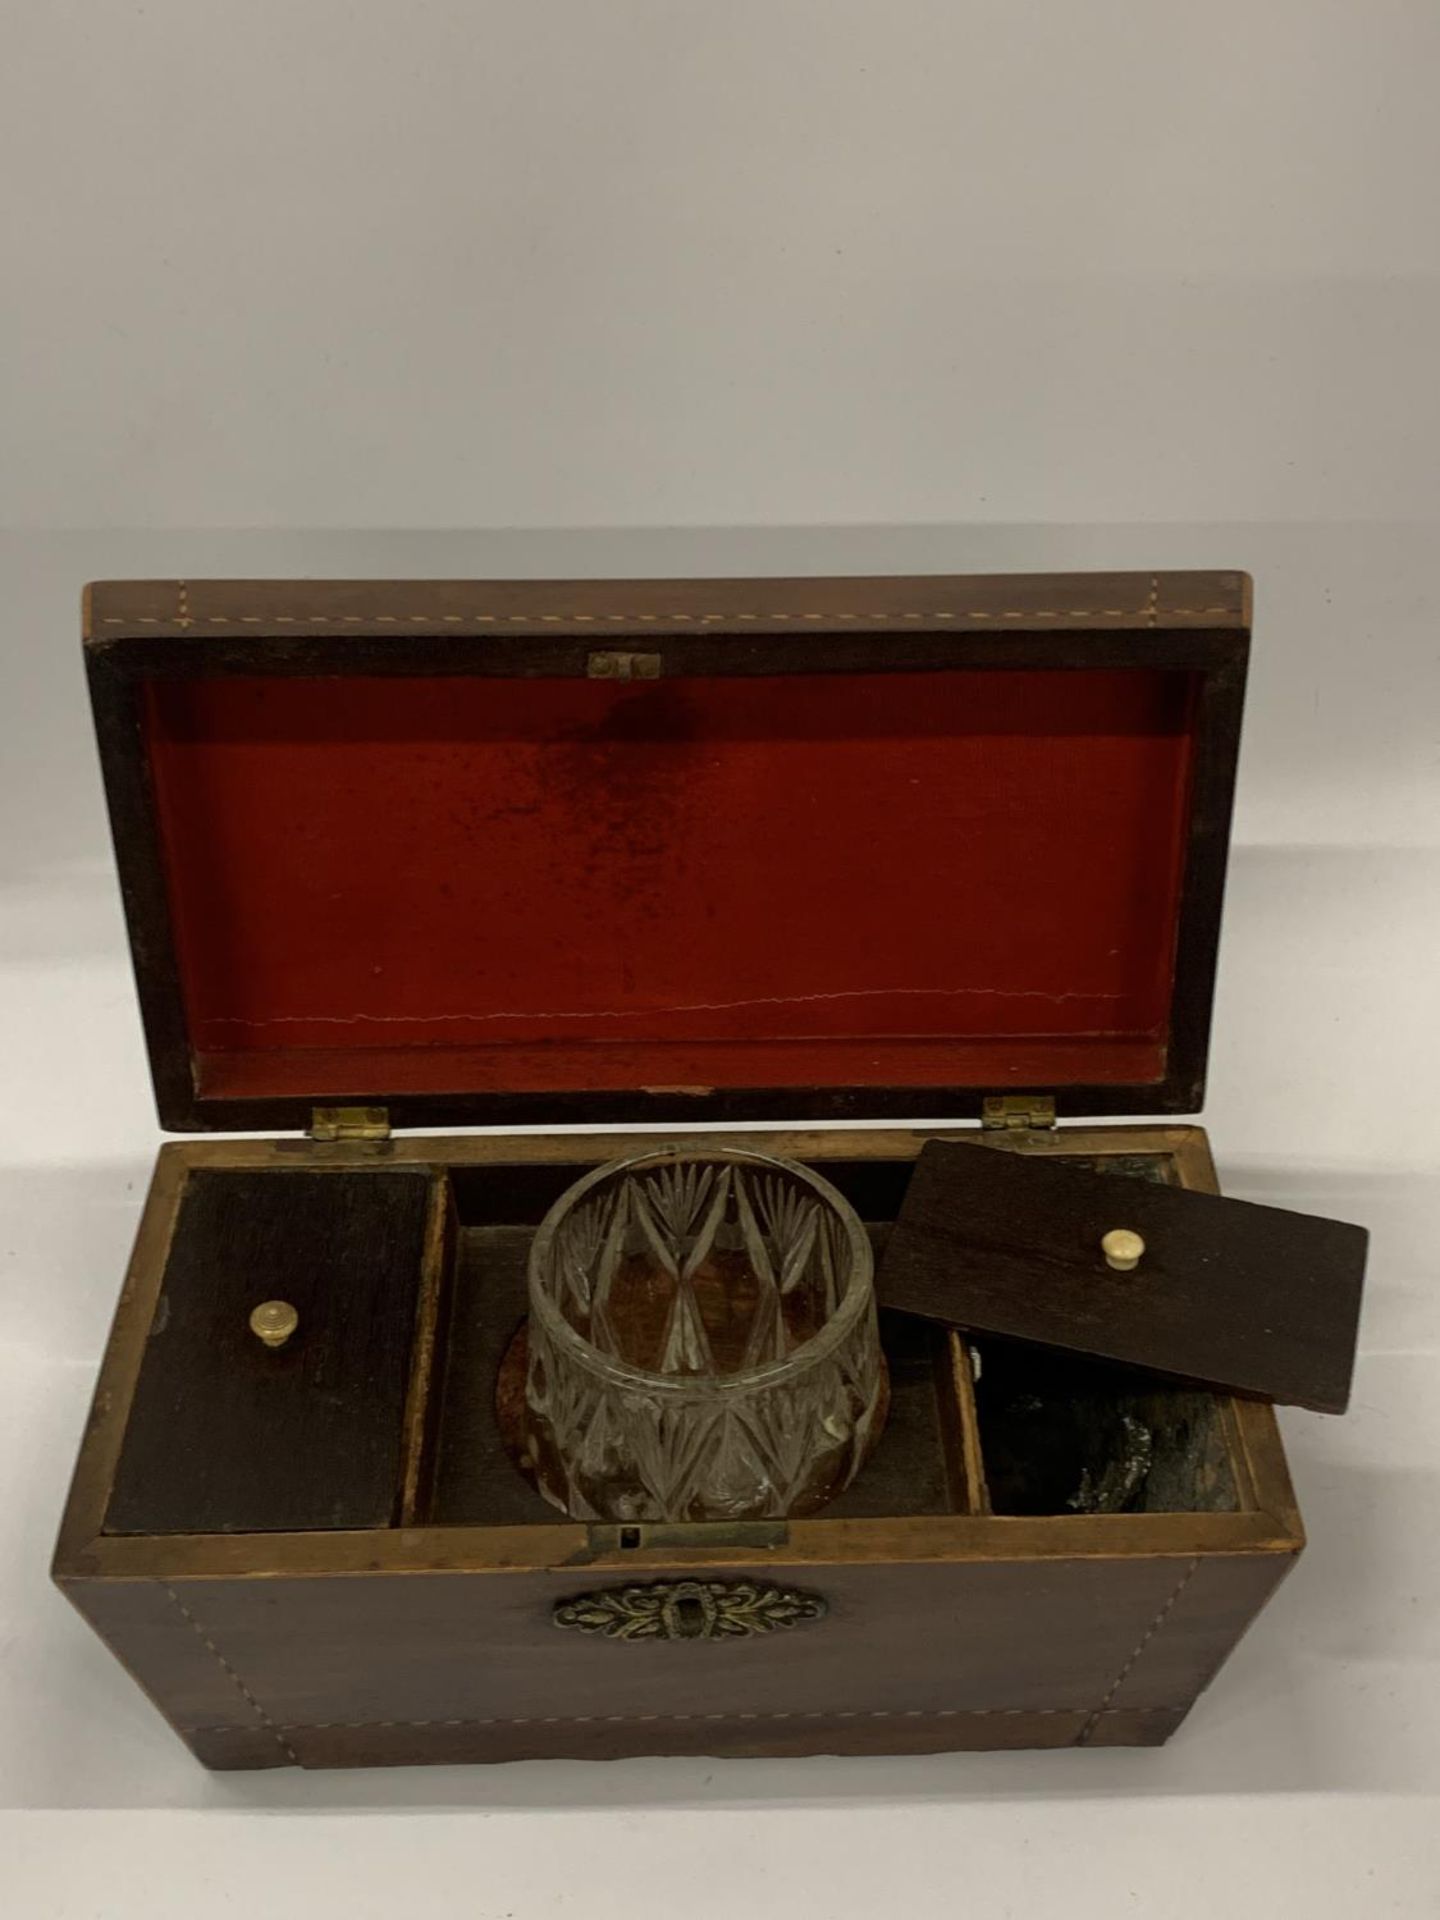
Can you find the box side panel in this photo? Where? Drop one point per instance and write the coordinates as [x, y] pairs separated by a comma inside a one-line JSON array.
[[1189, 1640], [167, 1653]]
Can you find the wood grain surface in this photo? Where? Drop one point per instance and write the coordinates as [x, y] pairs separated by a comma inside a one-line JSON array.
[[905, 1658], [1254, 1299], [228, 1436], [388, 608]]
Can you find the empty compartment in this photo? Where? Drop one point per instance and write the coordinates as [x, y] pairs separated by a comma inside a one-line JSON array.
[[1062, 1434]]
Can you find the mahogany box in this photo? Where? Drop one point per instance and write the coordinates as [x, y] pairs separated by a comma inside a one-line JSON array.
[[404, 857]]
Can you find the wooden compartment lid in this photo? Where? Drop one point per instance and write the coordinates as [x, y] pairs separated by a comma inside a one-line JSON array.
[[1248, 1298], [516, 852]]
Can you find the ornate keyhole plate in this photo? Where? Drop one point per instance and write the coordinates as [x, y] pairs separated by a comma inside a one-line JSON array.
[[689, 1610]]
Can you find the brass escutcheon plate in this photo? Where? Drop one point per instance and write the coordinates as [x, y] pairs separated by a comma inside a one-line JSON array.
[[689, 1610]]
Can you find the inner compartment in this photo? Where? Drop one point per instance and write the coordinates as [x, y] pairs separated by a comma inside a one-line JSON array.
[[1039, 1433], [1062, 1434], [228, 1435], [917, 1466], [383, 886], [410, 1285]]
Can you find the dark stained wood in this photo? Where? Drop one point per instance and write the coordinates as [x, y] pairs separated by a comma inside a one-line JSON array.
[[918, 1463], [685, 1107], [476, 1482], [134, 829], [1250, 1298], [1196, 622], [1221, 702], [548, 651], [226, 1435], [427, 1350]]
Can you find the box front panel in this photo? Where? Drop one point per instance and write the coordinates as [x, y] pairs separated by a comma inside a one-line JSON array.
[[475, 1666]]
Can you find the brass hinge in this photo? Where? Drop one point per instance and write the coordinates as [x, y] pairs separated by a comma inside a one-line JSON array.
[[350, 1123], [615, 664], [1018, 1112]]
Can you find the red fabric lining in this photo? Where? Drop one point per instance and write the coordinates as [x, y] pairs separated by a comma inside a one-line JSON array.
[[437, 885]]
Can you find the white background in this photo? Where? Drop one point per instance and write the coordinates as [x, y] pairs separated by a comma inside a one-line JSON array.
[[764, 285]]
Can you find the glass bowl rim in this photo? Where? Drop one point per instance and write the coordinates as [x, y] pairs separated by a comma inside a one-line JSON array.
[[859, 1298]]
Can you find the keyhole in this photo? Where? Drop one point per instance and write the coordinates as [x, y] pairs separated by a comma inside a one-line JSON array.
[[689, 1617]]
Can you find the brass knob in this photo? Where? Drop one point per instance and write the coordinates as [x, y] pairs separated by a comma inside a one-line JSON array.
[[1122, 1249], [273, 1321]]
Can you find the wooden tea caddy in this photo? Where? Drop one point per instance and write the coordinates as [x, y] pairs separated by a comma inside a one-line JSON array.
[[430, 854]]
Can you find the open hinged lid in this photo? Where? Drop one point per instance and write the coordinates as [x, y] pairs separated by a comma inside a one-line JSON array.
[[499, 852], [1255, 1299]]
